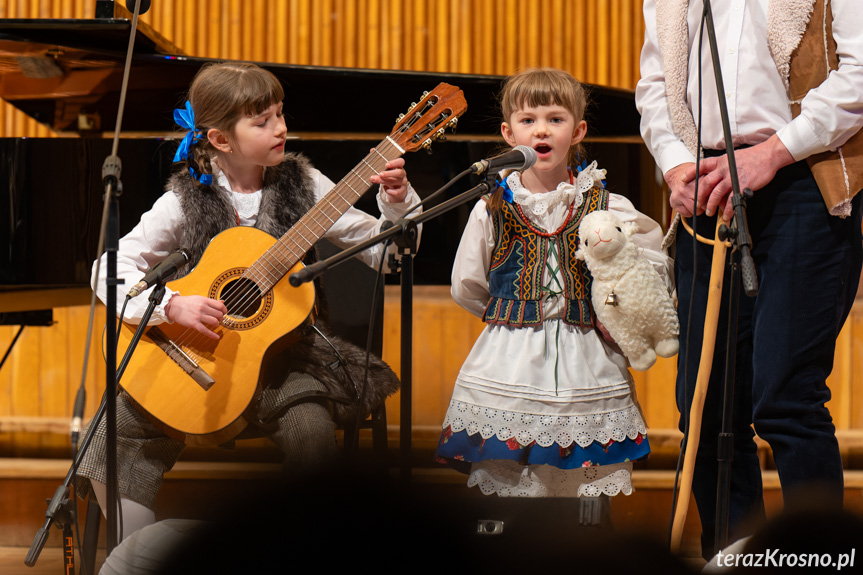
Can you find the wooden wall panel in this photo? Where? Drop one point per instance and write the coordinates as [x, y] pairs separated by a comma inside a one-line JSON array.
[[596, 40], [42, 376], [443, 334]]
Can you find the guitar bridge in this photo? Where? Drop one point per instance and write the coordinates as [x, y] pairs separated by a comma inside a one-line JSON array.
[[181, 358]]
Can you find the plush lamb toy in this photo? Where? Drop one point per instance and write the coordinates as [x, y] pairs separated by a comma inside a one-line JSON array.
[[629, 297]]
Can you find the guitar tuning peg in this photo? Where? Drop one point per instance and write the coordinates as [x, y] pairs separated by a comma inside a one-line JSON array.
[[400, 118], [412, 106], [427, 146], [425, 94]]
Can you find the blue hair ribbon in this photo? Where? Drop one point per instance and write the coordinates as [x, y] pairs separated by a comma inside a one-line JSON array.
[[507, 193], [185, 118]]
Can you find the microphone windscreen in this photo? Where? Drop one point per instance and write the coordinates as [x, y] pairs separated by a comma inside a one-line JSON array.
[[530, 156]]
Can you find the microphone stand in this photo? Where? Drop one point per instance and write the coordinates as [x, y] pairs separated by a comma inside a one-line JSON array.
[[60, 501], [111, 170], [404, 233], [741, 241]]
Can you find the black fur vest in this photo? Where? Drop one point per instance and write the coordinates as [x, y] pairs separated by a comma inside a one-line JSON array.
[[287, 195]]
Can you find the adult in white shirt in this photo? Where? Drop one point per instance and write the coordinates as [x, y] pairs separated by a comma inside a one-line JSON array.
[[793, 78]]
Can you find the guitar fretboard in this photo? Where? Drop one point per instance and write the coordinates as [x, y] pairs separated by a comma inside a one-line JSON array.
[[296, 242]]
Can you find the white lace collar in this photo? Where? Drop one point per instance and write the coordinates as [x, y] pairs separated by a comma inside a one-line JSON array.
[[565, 193], [246, 205], [222, 179]]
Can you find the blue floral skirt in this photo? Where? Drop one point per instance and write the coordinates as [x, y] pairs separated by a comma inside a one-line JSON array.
[[460, 449]]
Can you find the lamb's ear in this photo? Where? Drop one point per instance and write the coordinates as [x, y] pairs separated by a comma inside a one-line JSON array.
[[630, 228]]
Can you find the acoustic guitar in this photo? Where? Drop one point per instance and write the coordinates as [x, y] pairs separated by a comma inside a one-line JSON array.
[[197, 389]]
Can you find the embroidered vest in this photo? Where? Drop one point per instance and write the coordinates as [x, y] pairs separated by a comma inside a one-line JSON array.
[[519, 260], [287, 195]]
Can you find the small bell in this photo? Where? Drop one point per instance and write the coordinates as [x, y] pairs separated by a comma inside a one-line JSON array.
[[611, 299]]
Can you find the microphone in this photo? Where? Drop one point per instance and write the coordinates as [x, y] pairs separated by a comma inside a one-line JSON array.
[[162, 271], [130, 5], [519, 158]]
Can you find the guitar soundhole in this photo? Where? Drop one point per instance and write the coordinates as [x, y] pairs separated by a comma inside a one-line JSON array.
[[242, 298]]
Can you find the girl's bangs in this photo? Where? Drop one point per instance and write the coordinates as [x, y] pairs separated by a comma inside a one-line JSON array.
[[259, 91]]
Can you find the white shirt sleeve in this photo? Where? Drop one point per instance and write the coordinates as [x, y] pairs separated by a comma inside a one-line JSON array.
[[832, 113], [470, 269], [656, 128], [157, 235]]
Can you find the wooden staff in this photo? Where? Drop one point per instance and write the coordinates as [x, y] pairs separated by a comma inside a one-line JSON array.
[[711, 319]]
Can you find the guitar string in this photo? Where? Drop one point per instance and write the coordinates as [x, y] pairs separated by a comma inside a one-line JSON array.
[[240, 294], [264, 266], [252, 292], [267, 270], [305, 222], [309, 222], [265, 262]]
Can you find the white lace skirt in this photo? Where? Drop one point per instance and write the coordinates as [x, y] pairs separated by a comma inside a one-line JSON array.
[[556, 384]]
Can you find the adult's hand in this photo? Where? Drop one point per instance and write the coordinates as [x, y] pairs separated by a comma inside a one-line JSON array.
[[681, 184], [756, 167]]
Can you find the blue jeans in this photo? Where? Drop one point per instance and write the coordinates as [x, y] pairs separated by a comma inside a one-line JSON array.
[[808, 264]]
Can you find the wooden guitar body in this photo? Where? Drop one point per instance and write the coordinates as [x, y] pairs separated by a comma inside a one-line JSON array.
[[176, 391]]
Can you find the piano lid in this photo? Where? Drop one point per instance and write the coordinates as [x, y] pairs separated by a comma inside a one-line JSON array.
[[67, 75]]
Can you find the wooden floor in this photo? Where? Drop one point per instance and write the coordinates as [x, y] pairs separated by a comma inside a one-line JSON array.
[[50, 561]]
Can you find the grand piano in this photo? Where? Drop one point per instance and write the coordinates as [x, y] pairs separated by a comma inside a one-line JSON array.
[[67, 75]]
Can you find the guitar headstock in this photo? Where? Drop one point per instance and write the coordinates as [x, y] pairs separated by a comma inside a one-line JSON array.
[[428, 119]]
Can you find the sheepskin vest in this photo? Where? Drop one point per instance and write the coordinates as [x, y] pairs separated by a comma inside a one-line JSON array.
[[287, 195], [800, 38], [519, 259]]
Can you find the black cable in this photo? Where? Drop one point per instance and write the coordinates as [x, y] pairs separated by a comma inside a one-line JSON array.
[[370, 334]]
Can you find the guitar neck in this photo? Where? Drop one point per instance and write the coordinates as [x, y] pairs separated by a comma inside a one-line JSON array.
[[288, 250]]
